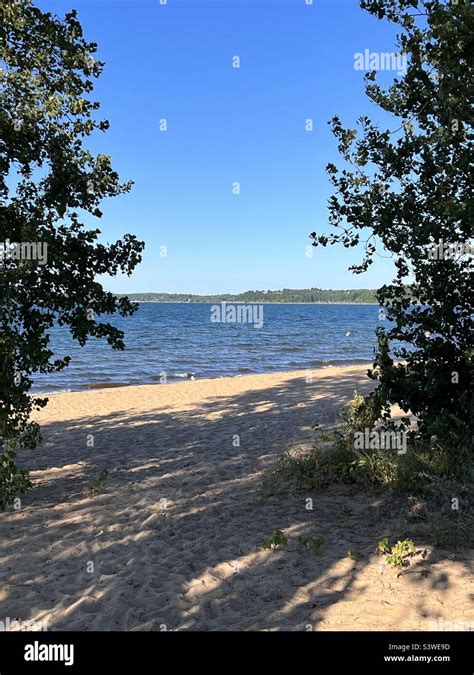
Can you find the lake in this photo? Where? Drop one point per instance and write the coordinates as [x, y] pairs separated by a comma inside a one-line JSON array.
[[166, 342]]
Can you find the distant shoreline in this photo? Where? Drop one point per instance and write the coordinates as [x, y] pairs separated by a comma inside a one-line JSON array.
[[246, 302], [283, 296]]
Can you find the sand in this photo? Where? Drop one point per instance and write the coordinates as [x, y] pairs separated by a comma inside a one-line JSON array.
[[174, 539]]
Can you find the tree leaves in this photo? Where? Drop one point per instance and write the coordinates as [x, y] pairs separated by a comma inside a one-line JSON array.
[[47, 178], [409, 188]]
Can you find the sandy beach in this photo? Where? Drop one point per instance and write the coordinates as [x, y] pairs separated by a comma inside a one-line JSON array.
[[173, 541]]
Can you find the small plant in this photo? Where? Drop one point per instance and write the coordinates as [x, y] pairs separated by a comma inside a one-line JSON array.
[[353, 555], [383, 546], [275, 540], [98, 485], [347, 512], [313, 544], [13, 481], [440, 535], [362, 412], [399, 554]]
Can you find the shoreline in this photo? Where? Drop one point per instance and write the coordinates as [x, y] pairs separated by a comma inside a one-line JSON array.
[[244, 380], [184, 380], [245, 302]]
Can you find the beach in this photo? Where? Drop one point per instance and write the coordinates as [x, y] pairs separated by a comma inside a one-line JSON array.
[[171, 537]]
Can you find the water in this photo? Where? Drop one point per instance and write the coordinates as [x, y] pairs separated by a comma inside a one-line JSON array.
[[177, 339]]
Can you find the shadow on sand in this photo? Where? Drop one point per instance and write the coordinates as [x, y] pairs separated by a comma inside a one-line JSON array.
[[174, 540]]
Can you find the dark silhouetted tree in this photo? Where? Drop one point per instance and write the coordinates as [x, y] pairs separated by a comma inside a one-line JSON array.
[[403, 190], [48, 182]]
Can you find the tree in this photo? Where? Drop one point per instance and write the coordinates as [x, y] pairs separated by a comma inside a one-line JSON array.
[[48, 181], [410, 189]]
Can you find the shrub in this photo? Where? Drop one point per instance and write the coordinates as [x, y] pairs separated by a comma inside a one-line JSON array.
[[339, 461], [312, 544], [399, 554], [96, 486], [275, 540], [13, 481]]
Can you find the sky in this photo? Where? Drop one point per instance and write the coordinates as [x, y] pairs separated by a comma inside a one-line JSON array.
[[174, 62]]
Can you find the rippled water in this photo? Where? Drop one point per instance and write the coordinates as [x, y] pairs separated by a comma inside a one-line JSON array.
[[177, 340]]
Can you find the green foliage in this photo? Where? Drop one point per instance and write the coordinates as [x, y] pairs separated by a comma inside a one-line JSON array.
[[275, 540], [403, 189], [426, 477], [312, 544], [13, 481], [352, 555], [440, 535], [421, 468], [96, 486], [317, 469], [287, 295], [360, 414], [47, 180], [337, 463], [383, 546], [399, 554]]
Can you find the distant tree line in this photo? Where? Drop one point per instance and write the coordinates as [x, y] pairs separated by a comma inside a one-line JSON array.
[[286, 295]]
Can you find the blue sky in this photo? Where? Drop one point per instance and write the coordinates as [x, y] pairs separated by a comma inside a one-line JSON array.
[[225, 124]]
